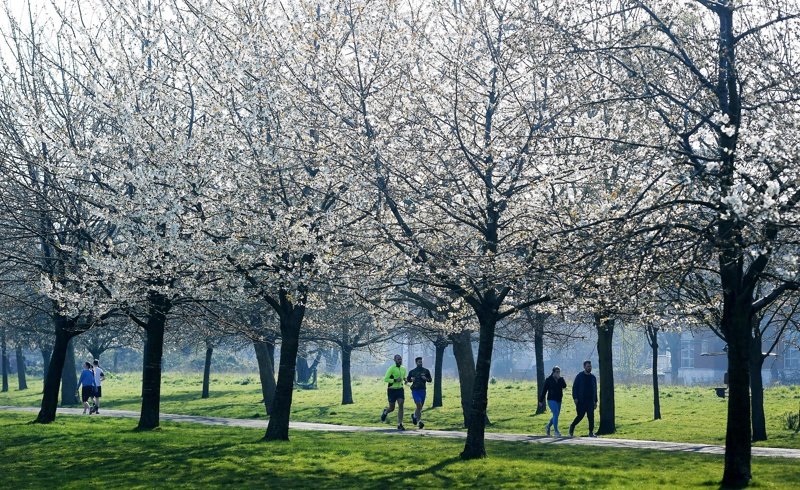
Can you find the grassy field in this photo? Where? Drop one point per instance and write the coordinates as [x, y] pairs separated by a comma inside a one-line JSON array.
[[99, 452], [689, 414]]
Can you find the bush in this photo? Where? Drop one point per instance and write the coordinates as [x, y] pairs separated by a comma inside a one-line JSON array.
[[791, 421]]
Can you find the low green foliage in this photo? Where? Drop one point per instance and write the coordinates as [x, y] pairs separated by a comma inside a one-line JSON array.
[[689, 414], [100, 452]]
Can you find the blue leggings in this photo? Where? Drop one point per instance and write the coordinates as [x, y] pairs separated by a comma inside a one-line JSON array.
[[555, 407]]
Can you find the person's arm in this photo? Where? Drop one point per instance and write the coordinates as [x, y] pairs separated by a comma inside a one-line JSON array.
[[576, 388], [594, 382], [428, 373], [410, 375], [563, 383], [387, 377]]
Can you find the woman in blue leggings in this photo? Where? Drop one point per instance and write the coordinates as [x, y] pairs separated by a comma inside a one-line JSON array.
[[554, 387]]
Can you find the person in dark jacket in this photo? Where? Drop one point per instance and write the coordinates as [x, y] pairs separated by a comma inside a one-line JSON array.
[[584, 393], [554, 387]]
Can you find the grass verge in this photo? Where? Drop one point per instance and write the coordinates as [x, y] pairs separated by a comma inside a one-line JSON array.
[[80, 452]]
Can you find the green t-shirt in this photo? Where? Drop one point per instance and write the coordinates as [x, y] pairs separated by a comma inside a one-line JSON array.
[[395, 376]]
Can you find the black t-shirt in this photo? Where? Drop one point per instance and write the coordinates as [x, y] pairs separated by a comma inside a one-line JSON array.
[[421, 376]]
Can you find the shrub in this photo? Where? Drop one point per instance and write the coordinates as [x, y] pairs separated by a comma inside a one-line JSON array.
[[791, 421]]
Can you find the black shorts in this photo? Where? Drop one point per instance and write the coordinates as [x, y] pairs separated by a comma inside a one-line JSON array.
[[394, 394], [98, 391], [87, 392]]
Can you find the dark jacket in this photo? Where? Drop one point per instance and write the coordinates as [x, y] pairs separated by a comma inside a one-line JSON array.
[[584, 389], [554, 389], [421, 376]]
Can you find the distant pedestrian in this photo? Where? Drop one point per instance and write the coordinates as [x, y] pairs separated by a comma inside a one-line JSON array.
[[86, 382], [554, 387], [395, 376], [418, 377], [584, 393], [99, 377]]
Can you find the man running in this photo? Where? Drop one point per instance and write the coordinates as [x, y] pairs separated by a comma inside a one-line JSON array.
[[99, 377], [395, 376], [418, 377], [86, 384]]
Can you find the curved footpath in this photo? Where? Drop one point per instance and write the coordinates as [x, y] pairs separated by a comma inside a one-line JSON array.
[[491, 436]]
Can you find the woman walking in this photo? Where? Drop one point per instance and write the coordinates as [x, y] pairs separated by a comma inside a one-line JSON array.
[[554, 387]]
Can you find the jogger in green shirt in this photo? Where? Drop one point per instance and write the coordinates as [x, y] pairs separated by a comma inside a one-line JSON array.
[[395, 377]]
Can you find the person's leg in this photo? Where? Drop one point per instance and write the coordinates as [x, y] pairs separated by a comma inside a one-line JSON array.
[[590, 416], [97, 397], [578, 418], [400, 402], [85, 398], [555, 409], [418, 411]]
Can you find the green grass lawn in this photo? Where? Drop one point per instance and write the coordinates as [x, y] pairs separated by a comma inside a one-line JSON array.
[[689, 414], [100, 452]]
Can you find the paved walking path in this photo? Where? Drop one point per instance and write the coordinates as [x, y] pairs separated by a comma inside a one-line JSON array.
[[492, 436]]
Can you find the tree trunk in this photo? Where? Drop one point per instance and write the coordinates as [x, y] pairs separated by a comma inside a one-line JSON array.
[[23, 383], [347, 387], [656, 397], [56, 364], [4, 357], [207, 371], [441, 345], [474, 446], [738, 435], [96, 352], [69, 379], [605, 336], [538, 343], [757, 394], [291, 319], [266, 372], [756, 382], [46, 352], [301, 369], [465, 363], [158, 308]]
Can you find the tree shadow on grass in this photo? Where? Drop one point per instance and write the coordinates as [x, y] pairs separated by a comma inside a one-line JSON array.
[[433, 470]]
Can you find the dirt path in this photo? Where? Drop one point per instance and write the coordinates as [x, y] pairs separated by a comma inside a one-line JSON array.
[[578, 441]]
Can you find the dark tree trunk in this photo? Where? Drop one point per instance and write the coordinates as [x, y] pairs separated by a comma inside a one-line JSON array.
[[347, 387], [652, 338], [158, 308], [46, 352], [302, 370], [538, 343], [52, 380], [264, 355], [465, 363], [4, 357], [96, 352], [605, 337], [207, 371], [23, 384], [757, 384], [474, 446], [291, 320], [440, 344], [757, 393], [144, 360], [69, 379], [115, 360], [738, 435]]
